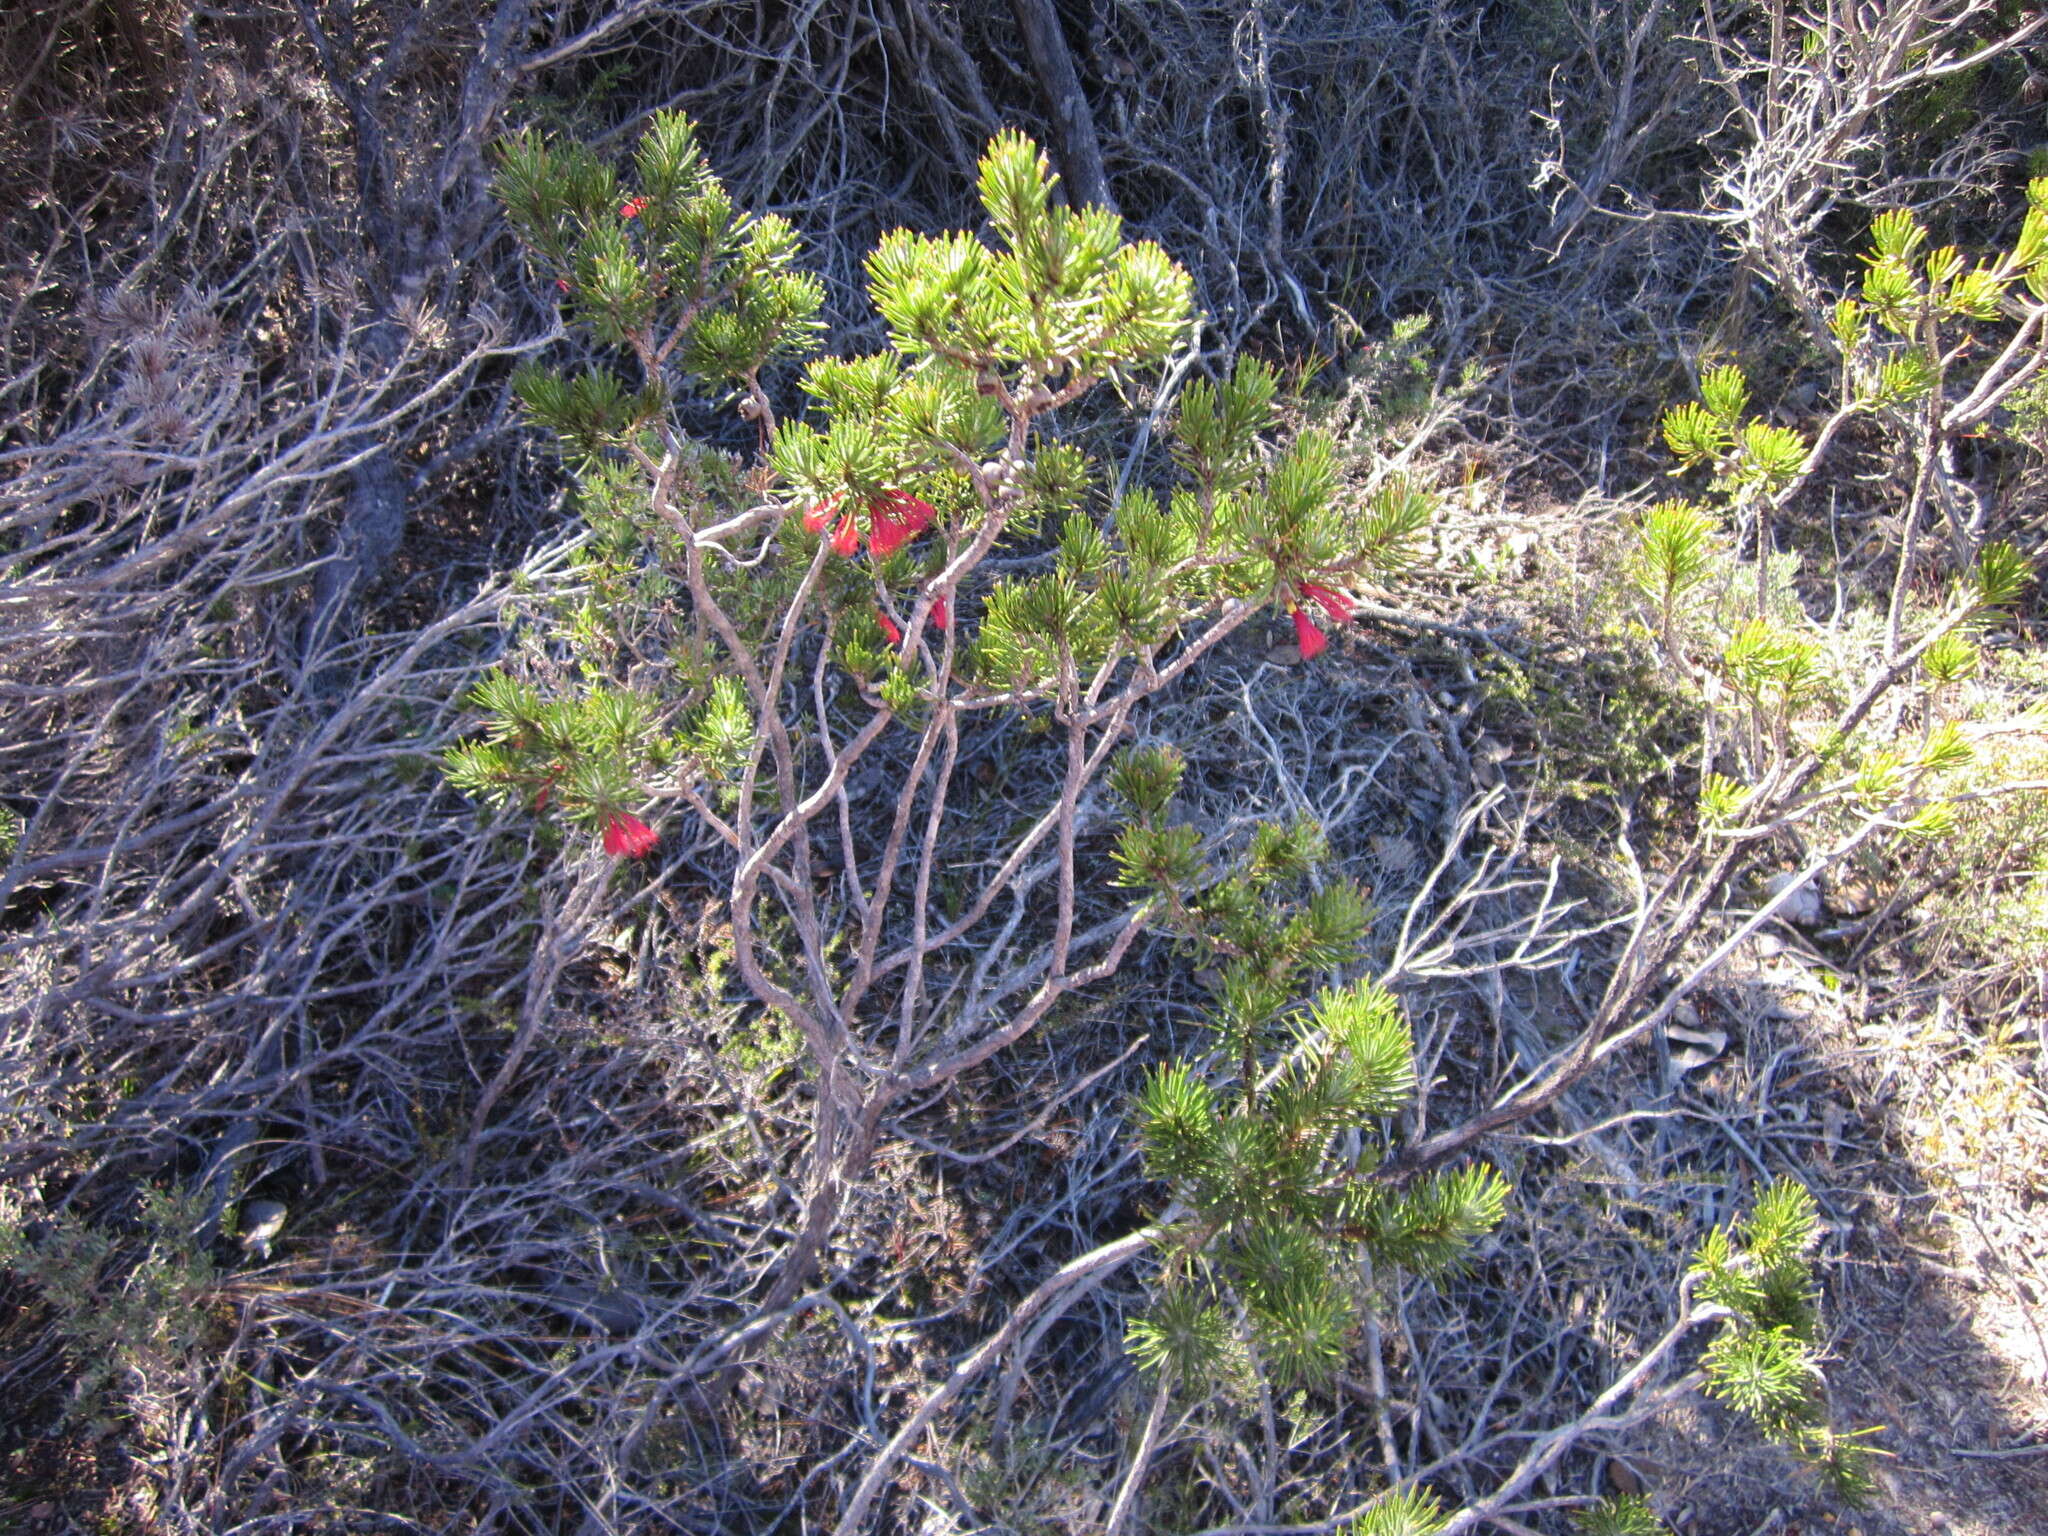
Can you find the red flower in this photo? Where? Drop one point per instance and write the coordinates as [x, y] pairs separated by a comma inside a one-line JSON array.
[[632, 207], [1335, 604], [942, 612], [819, 513], [562, 283], [1311, 639], [889, 630], [895, 518], [626, 836], [846, 537]]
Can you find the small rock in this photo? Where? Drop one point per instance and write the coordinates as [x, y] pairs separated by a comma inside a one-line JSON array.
[[1777, 1003], [1832, 1118], [1396, 855], [261, 1221], [602, 1309], [1802, 908], [1693, 1048]]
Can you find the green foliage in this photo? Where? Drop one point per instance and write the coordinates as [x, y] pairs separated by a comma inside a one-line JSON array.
[[131, 1307], [1725, 392], [917, 453], [593, 411], [1930, 305], [1433, 1224], [1162, 860], [1764, 1373], [666, 260], [672, 676], [1393, 520], [1748, 458], [1910, 293], [1625, 1514], [1894, 236], [1064, 299], [2001, 576], [1903, 379], [1849, 324], [1275, 1160], [1764, 1361], [1148, 778], [1721, 799], [1409, 1511], [1216, 437], [723, 731], [1771, 456], [1734, 631], [1761, 1268], [583, 755], [1950, 659], [1675, 546], [1186, 1333], [1695, 435], [1765, 662], [1946, 750]]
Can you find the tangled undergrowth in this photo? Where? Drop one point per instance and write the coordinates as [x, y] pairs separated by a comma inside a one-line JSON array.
[[371, 1163]]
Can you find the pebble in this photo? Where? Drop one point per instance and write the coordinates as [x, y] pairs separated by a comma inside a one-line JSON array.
[[1802, 907], [261, 1221]]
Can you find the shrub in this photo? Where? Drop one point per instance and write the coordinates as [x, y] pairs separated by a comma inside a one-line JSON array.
[[808, 649], [131, 1317]]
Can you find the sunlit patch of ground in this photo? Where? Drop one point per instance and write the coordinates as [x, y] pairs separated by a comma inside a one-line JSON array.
[[1926, 1141]]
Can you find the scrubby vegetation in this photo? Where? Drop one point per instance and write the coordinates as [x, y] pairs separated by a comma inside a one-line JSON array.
[[1168, 768]]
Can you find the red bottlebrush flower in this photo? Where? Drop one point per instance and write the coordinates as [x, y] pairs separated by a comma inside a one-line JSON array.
[[1311, 639], [846, 537], [562, 283], [540, 799], [819, 513], [1335, 604], [889, 630], [942, 612], [895, 518], [913, 510], [626, 836], [632, 207]]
